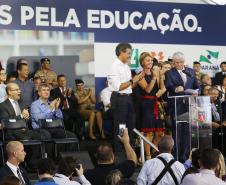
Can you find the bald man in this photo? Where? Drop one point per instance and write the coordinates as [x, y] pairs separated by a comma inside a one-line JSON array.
[[11, 109], [152, 168], [16, 154]]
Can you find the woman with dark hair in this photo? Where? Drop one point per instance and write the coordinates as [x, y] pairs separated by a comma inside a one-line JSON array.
[[152, 87], [86, 101]]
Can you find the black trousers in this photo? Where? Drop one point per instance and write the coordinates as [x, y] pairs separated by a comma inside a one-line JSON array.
[[74, 122], [123, 113]]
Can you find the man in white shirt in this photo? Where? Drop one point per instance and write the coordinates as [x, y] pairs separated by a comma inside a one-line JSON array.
[[154, 167], [16, 154], [208, 162], [120, 83]]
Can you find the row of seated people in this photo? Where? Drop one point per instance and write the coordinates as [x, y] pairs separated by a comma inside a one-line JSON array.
[[76, 106], [203, 167]]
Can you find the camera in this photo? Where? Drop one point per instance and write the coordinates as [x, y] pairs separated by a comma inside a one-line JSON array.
[[122, 127]]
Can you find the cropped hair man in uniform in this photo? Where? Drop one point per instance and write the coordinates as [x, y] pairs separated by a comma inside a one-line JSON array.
[[16, 154], [47, 75], [120, 82]]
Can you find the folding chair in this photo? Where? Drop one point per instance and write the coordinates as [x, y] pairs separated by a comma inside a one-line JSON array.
[[57, 123], [18, 124]]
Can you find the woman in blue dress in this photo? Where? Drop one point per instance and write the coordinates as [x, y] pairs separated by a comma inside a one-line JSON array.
[[152, 87]]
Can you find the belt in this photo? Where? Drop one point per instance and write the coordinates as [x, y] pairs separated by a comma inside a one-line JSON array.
[[122, 94]]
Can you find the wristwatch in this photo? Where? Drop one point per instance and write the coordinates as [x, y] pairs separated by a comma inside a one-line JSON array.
[[131, 81]]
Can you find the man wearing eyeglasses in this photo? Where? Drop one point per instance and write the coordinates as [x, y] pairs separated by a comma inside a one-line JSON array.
[[11, 109], [47, 75]]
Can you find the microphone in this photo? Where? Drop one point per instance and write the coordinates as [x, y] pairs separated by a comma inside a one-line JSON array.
[[187, 73]]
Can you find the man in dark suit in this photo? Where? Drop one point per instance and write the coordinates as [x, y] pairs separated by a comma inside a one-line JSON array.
[[180, 81], [11, 109], [220, 75], [69, 106], [16, 154]]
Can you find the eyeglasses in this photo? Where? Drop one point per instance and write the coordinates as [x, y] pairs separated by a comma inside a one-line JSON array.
[[14, 89], [3, 73]]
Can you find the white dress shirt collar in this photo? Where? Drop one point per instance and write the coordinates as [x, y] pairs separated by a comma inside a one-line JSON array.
[[13, 168]]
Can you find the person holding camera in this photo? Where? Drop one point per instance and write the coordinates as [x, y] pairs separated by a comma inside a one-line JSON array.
[[105, 160], [70, 172]]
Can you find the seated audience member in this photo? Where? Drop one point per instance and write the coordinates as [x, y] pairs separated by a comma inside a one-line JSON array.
[[86, 101], [27, 87], [16, 154], [150, 172], [220, 75], [43, 109], [10, 180], [205, 90], [69, 106], [47, 75], [11, 77], [113, 177], [70, 173], [197, 69], [105, 96], [222, 89], [126, 182], [46, 170], [11, 109], [209, 161], [3, 94], [105, 160]]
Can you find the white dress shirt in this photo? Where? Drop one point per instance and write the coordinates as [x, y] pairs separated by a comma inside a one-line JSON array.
[[183, 76], [153, 167], [119, 73], [13, 168], [64, 180], [204, 177], [105, 97]]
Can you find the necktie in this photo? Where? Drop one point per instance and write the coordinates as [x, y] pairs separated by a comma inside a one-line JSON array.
[[20, 177], [17, 108], [184, 77], [65, 102]]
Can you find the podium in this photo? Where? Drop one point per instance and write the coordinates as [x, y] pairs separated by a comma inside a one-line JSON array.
[[192, 124]]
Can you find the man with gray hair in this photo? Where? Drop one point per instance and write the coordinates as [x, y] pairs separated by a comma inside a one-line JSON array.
[[163, 169], [180, 80]]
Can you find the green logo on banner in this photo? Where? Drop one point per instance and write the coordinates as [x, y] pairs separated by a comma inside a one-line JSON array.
[[134, 58], [209, 57]]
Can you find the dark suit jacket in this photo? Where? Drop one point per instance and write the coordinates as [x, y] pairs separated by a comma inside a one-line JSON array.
[[72, 100], [7, 111], [6, 171], [173, 80], [218, 78]]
